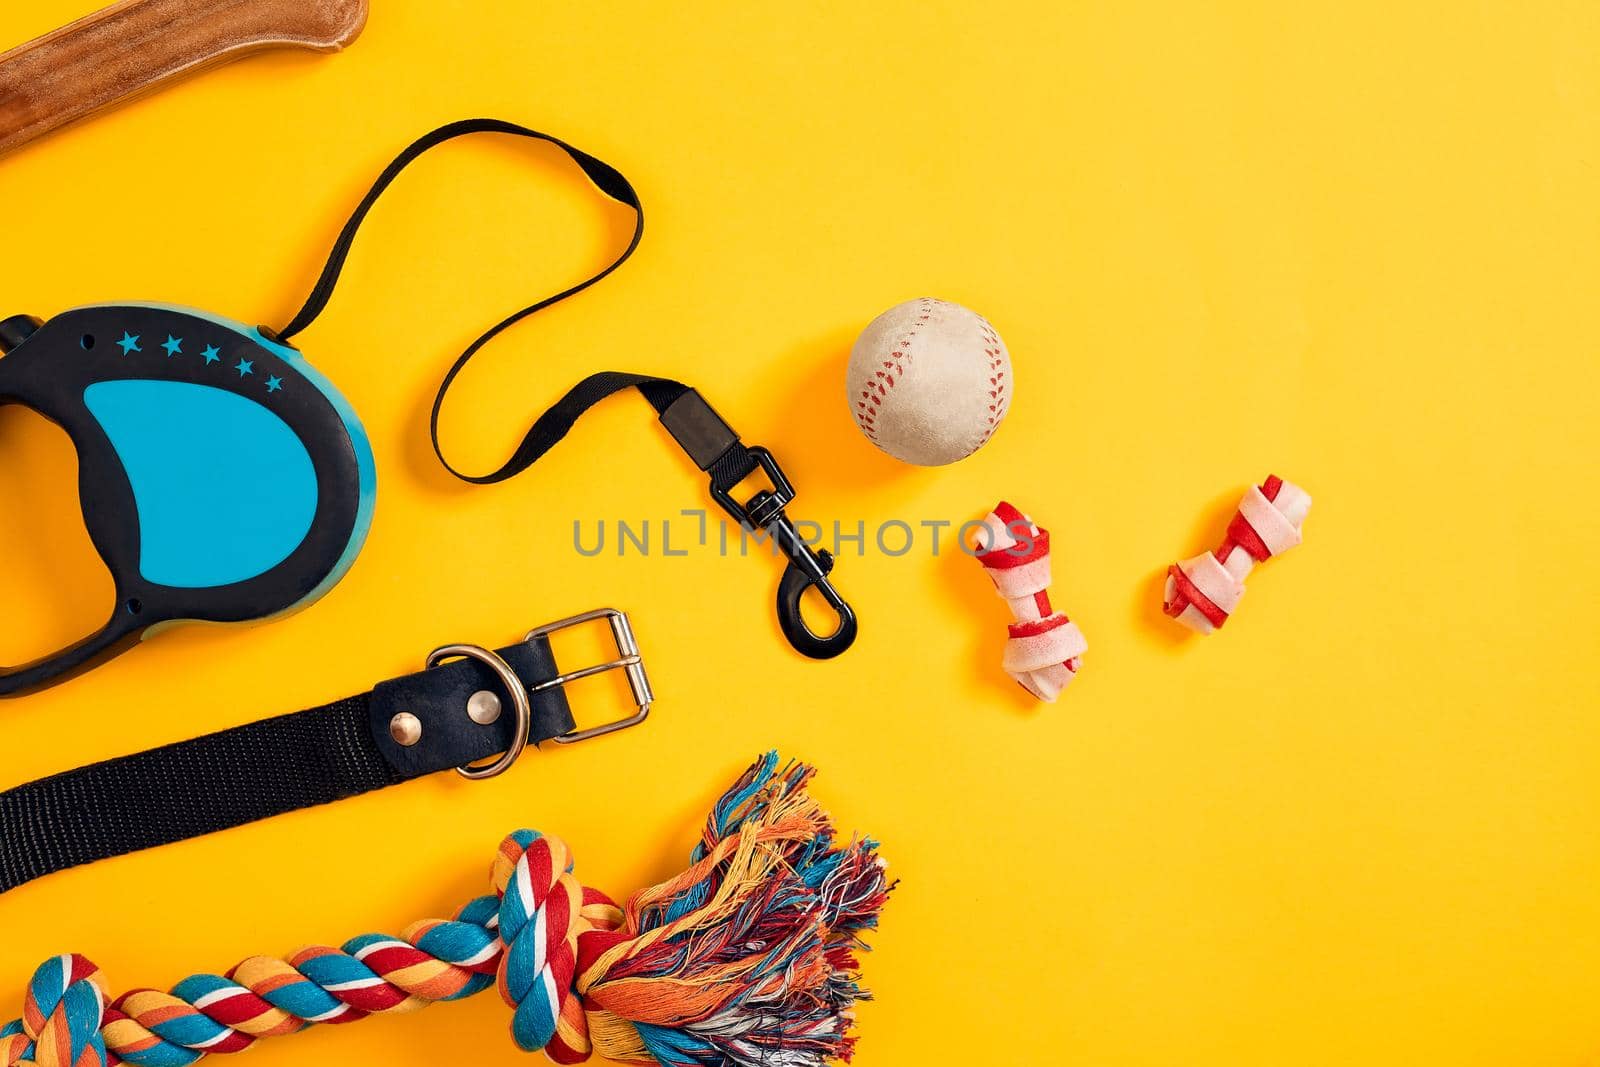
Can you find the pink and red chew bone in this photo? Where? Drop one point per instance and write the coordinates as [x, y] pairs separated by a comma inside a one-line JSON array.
[[1202, 592], [1045, 648]]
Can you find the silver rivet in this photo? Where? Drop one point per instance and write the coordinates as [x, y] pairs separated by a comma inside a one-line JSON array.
[[483, 707], [406, 729]]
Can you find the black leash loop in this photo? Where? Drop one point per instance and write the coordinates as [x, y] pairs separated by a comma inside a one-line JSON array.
[[701, 432], [554, 423]]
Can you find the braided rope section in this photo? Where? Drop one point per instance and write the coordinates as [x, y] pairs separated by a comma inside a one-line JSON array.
[[60, 1024], [747, 958]]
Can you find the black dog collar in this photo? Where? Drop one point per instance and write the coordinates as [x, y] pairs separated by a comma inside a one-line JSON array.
[[480, 704]]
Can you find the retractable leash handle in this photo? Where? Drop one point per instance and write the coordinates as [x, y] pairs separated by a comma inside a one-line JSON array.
[[220, 477], [698, 429]]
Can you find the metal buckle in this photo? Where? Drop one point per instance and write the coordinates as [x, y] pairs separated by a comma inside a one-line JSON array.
[[628, 661]]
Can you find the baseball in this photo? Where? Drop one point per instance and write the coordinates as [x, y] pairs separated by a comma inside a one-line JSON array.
[[929, 381]]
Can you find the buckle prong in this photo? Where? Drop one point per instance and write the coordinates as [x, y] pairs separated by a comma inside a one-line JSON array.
[[584, 672]]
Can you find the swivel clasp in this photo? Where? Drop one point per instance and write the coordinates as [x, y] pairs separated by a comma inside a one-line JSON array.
[[717, 450], [808, 567]]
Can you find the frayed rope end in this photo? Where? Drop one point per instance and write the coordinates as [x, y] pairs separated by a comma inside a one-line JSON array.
[[750, 957]]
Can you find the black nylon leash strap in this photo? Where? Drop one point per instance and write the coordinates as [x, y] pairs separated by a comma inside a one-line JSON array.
[[733, 462], [270, 767], [693, 423]]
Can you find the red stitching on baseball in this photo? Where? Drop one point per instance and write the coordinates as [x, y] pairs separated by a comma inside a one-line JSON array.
[[997, 376], [867, 407]]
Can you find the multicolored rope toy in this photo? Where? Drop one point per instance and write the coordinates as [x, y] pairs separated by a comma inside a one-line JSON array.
[[1202, 592], [1044, 648], [748, 958]]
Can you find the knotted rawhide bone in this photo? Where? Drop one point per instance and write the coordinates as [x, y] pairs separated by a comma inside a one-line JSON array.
[[1044, 648], [1202, 592], [747, 958]]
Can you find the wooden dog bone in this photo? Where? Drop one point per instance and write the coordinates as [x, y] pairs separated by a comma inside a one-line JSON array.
[[138, 45]]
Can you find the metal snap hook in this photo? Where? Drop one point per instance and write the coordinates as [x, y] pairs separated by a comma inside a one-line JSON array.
[[803, 574], [807, 566]]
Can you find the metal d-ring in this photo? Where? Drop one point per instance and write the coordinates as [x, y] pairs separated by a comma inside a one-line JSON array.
[[522, 711]]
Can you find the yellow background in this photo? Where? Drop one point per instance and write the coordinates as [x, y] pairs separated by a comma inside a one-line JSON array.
[[1355, 244]]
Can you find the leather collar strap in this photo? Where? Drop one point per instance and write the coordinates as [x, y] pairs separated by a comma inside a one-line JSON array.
[[299, 760]]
